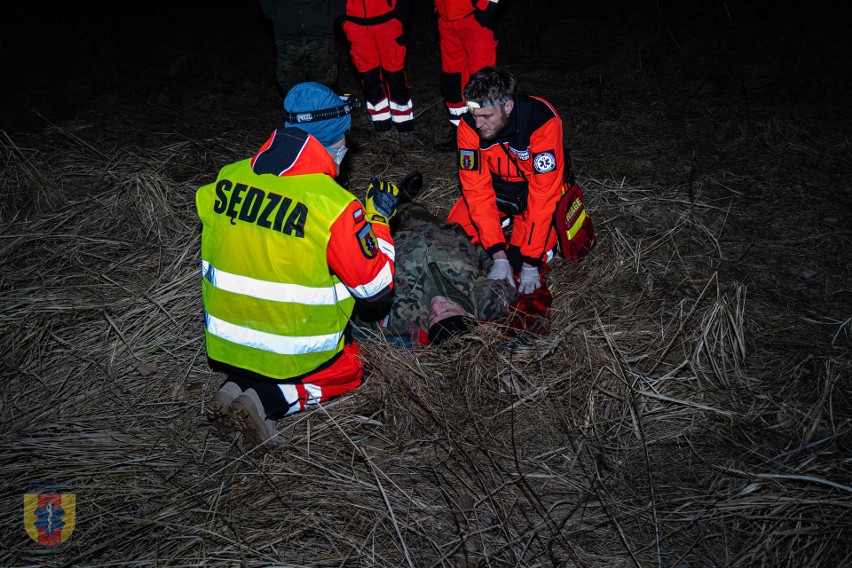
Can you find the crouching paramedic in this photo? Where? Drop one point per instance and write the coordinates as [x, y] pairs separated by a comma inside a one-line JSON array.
[[285, 255], [511, 171]]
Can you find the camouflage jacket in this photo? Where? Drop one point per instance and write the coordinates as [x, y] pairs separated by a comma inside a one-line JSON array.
[[437, 258]]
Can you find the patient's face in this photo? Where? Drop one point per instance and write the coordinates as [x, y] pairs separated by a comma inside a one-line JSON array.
[[441, 307]]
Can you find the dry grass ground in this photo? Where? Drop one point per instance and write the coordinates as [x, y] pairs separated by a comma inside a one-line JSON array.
[[690, 408]]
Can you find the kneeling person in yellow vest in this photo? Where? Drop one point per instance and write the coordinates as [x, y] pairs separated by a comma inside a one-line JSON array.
[[285, 255]]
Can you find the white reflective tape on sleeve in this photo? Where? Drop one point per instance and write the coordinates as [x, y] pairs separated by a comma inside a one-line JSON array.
[[382, 280], [387, 248], [548, 256], [275, 291], [280, 344]]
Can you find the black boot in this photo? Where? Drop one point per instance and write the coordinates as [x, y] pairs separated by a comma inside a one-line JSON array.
[[451, 143], [410, 186]]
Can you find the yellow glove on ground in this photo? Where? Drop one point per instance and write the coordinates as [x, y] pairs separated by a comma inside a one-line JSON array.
[[382, 199]]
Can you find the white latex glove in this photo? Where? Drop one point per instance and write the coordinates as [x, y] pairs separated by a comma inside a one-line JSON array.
[[502, 270], [529, 280]]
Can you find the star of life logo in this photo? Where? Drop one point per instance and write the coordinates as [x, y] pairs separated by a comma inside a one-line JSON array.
[[544, 162], [50, 516]]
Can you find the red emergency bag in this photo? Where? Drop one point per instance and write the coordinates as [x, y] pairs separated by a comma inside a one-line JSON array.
[[574, 225]]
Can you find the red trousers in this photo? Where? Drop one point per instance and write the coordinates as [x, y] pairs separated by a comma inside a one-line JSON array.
[[342, 376], [379, 56], [466, 47]]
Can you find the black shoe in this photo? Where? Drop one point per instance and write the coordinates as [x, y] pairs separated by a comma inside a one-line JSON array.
[[410, 186]]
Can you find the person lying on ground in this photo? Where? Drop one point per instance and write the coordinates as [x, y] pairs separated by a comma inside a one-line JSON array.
[[441, 282]]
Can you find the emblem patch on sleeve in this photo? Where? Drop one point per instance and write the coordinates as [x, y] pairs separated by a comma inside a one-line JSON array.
[[468, 160], [544, 162], [368, 242]]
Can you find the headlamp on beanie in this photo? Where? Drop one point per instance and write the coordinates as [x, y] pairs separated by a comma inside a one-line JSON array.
[[349, 105], [319, 111]]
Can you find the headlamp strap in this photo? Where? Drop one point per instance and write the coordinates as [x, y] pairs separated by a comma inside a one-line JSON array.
[[350, 104], [488, 103]]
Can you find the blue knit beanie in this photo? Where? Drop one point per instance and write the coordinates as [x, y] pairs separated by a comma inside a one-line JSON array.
[[307, 97]]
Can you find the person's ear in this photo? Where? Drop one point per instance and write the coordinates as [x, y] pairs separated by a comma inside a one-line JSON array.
[[510, 104]]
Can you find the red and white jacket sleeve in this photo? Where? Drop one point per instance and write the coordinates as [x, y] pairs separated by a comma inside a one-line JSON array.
[[545, 176], [478, 194], [361, 254]]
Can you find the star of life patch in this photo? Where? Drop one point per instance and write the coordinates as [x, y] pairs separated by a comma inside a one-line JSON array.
[[468, 159], [367, 240], [544, 162]]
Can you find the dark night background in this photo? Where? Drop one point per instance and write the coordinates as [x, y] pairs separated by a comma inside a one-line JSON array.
[[713, 140], [59, 57]]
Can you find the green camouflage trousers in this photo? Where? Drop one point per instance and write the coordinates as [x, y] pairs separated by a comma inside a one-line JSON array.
[[437, 258], [306, 60]]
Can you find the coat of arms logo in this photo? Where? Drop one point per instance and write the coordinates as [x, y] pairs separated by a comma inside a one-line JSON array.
[[49, 518]]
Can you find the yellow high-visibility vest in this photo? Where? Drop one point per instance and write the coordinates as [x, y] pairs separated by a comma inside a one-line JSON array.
[[271, 304]]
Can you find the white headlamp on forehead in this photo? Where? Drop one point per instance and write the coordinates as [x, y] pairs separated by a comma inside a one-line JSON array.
[[471, 104]]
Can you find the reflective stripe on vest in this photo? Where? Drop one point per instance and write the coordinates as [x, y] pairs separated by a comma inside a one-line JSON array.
[[283, 345], [276, 291]]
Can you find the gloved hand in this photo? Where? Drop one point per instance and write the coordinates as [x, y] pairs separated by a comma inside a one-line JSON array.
[[529, 280], [485, 17], [382, 199], [502, 270]]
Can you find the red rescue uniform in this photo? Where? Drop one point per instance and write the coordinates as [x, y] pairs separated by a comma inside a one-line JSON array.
[[533, 138], [466, 47], [377, 47]]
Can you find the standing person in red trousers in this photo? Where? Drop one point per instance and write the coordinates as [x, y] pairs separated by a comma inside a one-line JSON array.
[[468, 44], [374, 29]]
